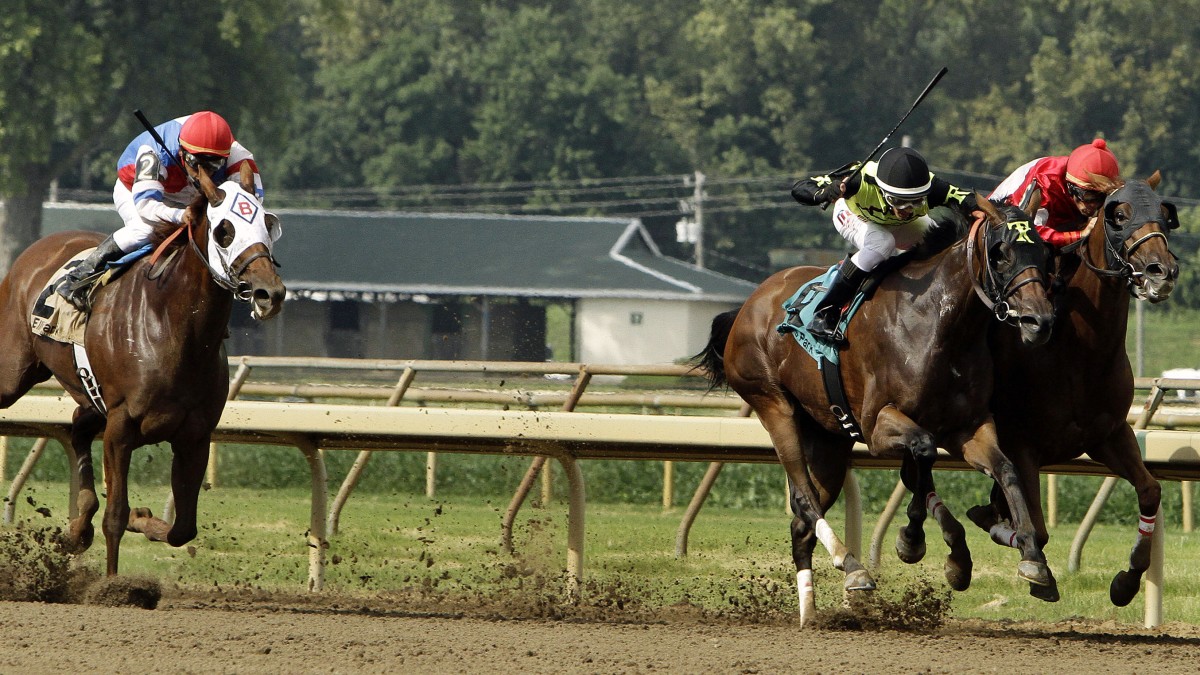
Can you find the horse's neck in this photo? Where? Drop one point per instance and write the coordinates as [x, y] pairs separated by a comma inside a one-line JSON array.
[[1097, 304], [192, 296]]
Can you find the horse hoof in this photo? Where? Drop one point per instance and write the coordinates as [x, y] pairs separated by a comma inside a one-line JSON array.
[[1044, 593], [1124, 587], [907, 550], [140, 512], [983, 515], [859, 581], [958, 576], [1035, 573], [76, 543]]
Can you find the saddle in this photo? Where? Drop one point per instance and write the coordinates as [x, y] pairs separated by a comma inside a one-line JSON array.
[[799, 310], [55, 318]]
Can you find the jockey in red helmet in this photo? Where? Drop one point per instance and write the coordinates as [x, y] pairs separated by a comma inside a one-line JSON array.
[[150, 188], [1069, 198]]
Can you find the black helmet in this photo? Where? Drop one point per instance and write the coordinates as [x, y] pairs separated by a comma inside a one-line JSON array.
[[903, 172]]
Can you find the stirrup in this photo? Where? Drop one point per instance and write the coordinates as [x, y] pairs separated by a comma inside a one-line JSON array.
[[76, 292], [826, 330]]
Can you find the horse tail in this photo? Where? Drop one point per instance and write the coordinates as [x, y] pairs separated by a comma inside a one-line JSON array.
[[711, 359]]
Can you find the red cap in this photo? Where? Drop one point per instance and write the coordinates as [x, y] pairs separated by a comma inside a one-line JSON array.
[[1094, 157], [206, 133]]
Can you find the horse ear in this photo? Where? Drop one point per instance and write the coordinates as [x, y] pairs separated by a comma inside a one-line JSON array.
[[1154, 179], [989, 208], [207, 187], [246, 177], [1034, 203]]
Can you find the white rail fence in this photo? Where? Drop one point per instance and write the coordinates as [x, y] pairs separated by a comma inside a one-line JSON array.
[[564, 434]]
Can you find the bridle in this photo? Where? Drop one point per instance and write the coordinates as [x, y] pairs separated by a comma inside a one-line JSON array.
[[1117, 247], [229, 276], [996, 292]]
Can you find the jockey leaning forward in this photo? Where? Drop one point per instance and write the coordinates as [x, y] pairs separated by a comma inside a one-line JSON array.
[[151, 188], [883, 210], [1069, 198]]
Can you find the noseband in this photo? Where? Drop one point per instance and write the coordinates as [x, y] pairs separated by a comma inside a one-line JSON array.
[[995, 292]]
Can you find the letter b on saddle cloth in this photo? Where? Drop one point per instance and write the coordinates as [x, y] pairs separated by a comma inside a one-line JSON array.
[[799, 309], [56, 318]]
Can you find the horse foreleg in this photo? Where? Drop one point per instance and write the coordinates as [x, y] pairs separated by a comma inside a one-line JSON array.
[[917, 475], [896, 433], [910, 540], [117, 453], [86, 424], [1123, 456], [187, 477], [1020, 489]]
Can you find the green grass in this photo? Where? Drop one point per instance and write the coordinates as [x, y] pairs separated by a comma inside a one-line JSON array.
[[738, 558], [1171, 338]]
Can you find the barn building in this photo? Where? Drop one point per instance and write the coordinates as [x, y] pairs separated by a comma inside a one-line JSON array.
[[456, 286]]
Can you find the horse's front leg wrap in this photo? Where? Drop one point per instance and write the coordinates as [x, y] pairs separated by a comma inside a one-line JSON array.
[[837, 550]]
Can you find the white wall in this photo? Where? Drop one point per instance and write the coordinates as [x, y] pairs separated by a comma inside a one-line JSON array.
[[669, 330]]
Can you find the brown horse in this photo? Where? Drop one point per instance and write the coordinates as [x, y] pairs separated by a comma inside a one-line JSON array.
[[155, 340], [1073, 395], [917, 375]]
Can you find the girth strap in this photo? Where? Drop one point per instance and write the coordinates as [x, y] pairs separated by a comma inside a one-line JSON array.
[[83, 367], [840, 407]]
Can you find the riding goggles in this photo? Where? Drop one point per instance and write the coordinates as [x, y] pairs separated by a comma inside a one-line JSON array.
[[210, 163], [1086, 196], [901, 203]]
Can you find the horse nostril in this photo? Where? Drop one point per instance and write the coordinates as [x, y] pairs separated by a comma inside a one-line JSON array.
[[1158, 271]]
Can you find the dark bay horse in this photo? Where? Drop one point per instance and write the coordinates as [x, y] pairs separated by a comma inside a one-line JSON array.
[[917, 374], [155, 342], [1072, 396]]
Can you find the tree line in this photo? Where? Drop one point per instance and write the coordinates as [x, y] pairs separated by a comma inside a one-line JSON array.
[[605, 107]]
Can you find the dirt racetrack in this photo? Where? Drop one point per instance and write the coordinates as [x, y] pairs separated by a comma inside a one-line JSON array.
[[242, 632]]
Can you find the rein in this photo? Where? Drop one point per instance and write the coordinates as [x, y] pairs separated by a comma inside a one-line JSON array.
[[995, 296]]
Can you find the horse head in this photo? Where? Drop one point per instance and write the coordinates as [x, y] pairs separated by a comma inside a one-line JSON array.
[[1136, 222], [1016, 264], [241, 236]]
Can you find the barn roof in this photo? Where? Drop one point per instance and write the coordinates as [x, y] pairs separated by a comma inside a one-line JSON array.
[[386, 254]]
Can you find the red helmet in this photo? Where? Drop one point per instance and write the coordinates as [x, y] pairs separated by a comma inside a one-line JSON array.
[[1094, 157], [206, 133]]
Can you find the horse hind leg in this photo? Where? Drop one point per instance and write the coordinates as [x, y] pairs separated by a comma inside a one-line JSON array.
[[782, 423], [804, 540]]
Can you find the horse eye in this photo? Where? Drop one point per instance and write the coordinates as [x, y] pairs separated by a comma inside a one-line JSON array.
[[223, 234]]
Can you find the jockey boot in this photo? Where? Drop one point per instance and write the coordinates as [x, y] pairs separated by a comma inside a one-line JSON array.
[[76, 283], [829, 309]]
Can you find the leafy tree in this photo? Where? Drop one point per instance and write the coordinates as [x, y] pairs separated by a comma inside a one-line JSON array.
[[70, 73]]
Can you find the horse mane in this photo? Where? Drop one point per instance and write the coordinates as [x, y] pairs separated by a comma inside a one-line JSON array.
[[1105, 184], [950, 227], [163, 229]]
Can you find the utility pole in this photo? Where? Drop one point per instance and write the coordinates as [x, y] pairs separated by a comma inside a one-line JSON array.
[[692, 231], [698, 202]]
